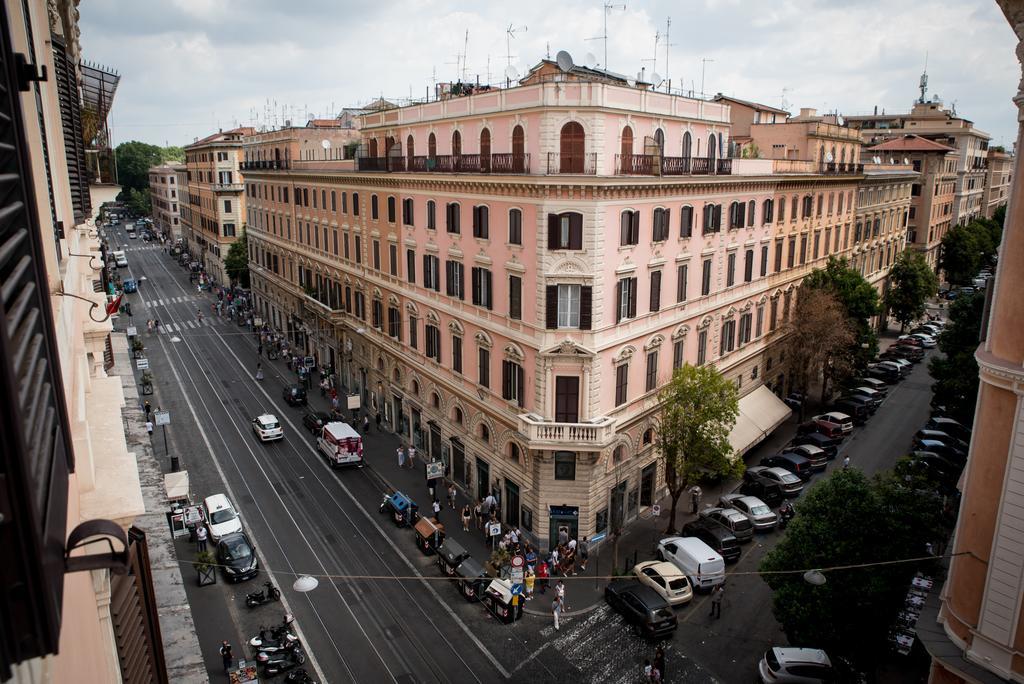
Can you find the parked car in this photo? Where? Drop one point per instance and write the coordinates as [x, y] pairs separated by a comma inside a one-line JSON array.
[[221, 518], [796, 666], [704, 567], [906, 367], [237, 557], [760, 515], [791, 484], [889, 374], [936, 447], [872, 395], [825, 427], [879, 386], [950, 427], [816, 456], [927, 341], [869, 404], [907, 351], [844, 421], [294, 395], [763, 488], [666, 579], [935, 462], [794, 463], [719, 538], [859, 410], [944, 437], [927, 329], [315, 420], [642, 606], [795, 400], [732, 520], [267, 427], [130, 285], [830, 445], [912, 341]]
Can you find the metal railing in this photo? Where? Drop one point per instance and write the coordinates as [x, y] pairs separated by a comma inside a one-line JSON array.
[[585, 164], [228, 187], [840, 168], [270, 164], [448, 163], [637, 165]]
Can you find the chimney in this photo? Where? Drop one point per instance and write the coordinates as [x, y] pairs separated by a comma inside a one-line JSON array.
[[876, 110], [808, 112]]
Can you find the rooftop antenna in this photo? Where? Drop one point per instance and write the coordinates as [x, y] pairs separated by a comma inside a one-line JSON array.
[[465, 51], [654, 61], [510, 34], [608, 7], [668, 27], [703, 63], [783, 104], [923, 83]]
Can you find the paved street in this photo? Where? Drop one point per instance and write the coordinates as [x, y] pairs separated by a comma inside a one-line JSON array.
[[388, 616]]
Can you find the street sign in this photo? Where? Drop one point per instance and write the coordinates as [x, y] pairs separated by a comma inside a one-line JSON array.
[[353, 401], [518, 561], [656, 510], [517, 569], [162, 417], [309, 361], [142, 364], [494, 529], [598, 537], [435, 469], [517, 587], [132, 331]]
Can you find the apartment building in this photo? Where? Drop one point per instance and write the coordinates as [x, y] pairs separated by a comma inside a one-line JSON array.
[[214, 216], [933, 205], [933, 121], [998, 180], [77, 591], [509, 278], [164, 195]]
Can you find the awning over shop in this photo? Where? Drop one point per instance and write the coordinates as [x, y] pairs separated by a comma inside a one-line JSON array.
[[760, 413]]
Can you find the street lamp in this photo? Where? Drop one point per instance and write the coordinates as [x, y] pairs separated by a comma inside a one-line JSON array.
[[305, 584], [814, 577]]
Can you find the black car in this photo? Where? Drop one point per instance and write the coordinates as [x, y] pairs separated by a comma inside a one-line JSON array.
[[830, 445], [944, 437], [717, 536], [935, 462], [315, 420], [294, 395], [817, 457], [794, 463], [950, 427], [761, 487], [858, 409], [642, 606], [237, 557]]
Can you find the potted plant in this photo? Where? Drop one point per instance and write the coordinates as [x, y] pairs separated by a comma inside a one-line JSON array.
[[499, 562], [137, 347], [205, 568], [147, 382]]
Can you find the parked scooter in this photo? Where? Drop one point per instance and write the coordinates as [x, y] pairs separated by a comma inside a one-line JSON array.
[[299, 676], [786, 513], [273, 638], [266, 595], [277, 663]]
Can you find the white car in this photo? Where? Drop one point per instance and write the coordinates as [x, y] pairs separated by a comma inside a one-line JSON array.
[[844, 421], [221, 518], [267, 427], [666, 579], [927, 341], [760, 515]]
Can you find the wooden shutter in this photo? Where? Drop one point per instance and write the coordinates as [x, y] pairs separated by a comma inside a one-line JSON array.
[[634, 227], [506, 380], [476, 286], [575, 231], [71, 125], [655, 291], [551, 307], [462, 280], [618, 301], [632, 298], [572, 146], [552, 231], [586, 306], [625, 221], [717, 217], [515, 298], [489, 289], [521, 382]]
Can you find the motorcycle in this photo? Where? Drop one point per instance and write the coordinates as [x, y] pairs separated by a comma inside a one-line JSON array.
[[786, 513], [285, 642], [258, 598], [299, 676], [271, 638], [281, 662]]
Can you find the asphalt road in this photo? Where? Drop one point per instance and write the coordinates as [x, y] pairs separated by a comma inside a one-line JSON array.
[[363, 623]]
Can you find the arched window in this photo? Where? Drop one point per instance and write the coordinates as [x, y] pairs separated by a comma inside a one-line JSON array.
[[712, 149], [416, 387], [518, 150], [410, 150], [833, 153], [373, 147], [659, 140], [485, 434], [842, 156], [435, 400], [618, 454], [627, 142], [485, 150], [432, 146], [380, 359], [573, 146], [687, 145], [513, 451], [396, 376], [648, 436], [456, 144], [821, 154], [389, 142], [457, 416], [751, 208]]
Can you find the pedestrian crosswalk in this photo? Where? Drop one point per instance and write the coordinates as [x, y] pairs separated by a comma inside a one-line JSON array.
[[170, 300]]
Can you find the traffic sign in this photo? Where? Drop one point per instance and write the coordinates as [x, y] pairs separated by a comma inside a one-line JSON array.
[[142, 364], [493, 529], [656, 510], [131, 331], [353, 401], [435, 469], [518, 561], [517, 589], [598, 537], [162, 417]]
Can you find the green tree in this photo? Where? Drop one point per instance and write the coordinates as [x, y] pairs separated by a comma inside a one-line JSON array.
[[857, 296], [819, 338], [848, 519], [698, 410], [965, 249], [911, 282], [138, 201], [237, 260], [173, 153], [956, 371], [999, 216], [134, 159]]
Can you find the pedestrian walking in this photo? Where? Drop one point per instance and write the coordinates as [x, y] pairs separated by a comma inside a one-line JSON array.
[[225, 654], [200, 538], [451, 495], [259, 350], [846, 462], [716, 601], [466, 514], [583, 548], [259, 371], [478, 514], [529, 579], [695, 494], [556, 610], [366, 424], [437, 510], [542, 575], [149, 428], [148, 408], [659, 662], [401, 457], [491, 504], [560, 592], [378, 419], [412, 456], [563, 536]]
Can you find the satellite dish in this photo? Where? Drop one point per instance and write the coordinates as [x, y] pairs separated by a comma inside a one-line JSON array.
[[564, 61], [891, 160], [656, 79], [590, 60], [906, 161], [511, 73], [326, 144], [876, 159], [630, 82], [841, 121], [829, 158]]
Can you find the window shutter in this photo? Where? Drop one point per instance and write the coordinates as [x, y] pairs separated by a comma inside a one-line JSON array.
[[586, 305], [618, 301], [71, 124], [489, 288], [521, 378], [506, 380], [462, 280], [575, 231], [655, 290], [634, 227], [632, 298], [476, 285], [552, 231], [717, 216], [624, 226], [551, 307]]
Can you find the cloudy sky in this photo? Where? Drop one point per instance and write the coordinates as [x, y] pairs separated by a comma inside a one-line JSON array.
[[189, 67]]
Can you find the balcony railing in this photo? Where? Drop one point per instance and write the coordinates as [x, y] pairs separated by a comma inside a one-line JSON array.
[[541, 433], [840, 168], [448, 163], [585, 164], [270, 164], [228, 187]]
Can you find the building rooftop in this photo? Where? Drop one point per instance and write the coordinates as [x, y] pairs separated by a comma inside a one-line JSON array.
[[910, 143], [753, 105], [220, 136]]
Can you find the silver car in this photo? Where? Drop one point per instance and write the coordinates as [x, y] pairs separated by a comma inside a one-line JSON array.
[[732, 520], [758, 513]]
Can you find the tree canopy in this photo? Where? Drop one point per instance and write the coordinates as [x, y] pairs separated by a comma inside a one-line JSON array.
[[698, 410], [848, 519], [819, 339], [911, 283], [134, 159], [966, 248], [857, 296], [956, 372], [138, 201], [236, 263]]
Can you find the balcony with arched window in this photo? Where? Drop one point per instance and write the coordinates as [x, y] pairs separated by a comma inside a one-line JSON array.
[[517, 161]]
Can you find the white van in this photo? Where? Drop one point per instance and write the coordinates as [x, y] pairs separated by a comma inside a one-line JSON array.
[[221, 518], [120, 259], [702, 564], [340, 444]]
